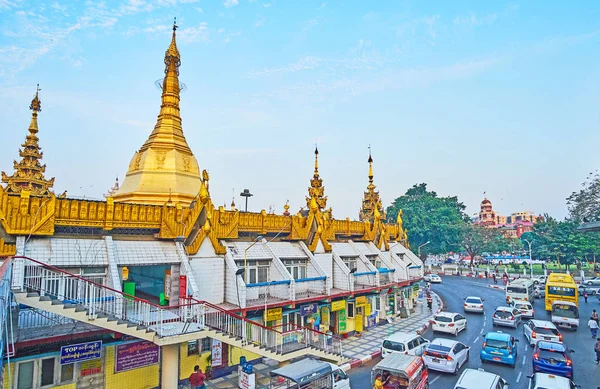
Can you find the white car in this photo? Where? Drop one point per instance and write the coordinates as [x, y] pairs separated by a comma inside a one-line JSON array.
[[446, 355], [480, 379], [434, 278], [539, 280], [540, 291], [449, 322], [409, 343], [535, 330], [550, 381], [525, 308], [473, 304]]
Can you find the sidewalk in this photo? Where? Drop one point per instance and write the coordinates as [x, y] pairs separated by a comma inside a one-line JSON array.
[[359, 349]]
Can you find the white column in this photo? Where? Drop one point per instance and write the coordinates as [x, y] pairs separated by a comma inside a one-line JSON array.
[[170, 366]]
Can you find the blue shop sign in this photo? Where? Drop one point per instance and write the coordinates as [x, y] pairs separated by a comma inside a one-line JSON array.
[[80, 352], [309, 309]]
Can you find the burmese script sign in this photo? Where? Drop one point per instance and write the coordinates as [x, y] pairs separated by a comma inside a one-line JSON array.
[[134, 355], [80, 352]]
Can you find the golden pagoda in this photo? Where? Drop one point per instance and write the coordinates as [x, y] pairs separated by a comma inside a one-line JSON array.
[[165, 166], [371, 201], [316, 191], [29, 173]]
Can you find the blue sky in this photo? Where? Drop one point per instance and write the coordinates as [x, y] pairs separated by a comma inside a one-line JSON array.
[[468, 96]]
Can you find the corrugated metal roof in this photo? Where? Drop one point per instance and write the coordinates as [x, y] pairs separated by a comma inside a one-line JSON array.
[[258, 251], [344, 250], [145, 252], [67, 252], [287, 250]]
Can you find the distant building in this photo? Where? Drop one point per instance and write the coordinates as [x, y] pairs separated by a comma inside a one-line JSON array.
[[514, 225]]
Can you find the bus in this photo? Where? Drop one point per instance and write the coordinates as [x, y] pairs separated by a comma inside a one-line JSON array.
[[520, 289], [561, 287]]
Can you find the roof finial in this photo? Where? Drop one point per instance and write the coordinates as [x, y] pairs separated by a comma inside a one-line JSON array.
[[175, 26], [370, 160], [316, 160]]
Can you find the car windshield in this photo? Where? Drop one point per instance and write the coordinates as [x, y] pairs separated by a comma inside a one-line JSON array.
[[504, 315], [443, 319], [546, 331], [438, 347], [516, 289], [495, 343], [561, 291], [557, 356], [523, 306], [564, 310], [394, 346], [474, 301]]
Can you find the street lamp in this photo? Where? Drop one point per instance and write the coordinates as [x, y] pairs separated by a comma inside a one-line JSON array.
[[352, 271], [258, 239], [246, 193], [419, 248], [529, 242]]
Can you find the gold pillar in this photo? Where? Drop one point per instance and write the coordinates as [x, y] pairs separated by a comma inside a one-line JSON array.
[[170, 366]]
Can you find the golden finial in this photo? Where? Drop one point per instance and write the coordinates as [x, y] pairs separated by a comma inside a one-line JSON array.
[[370, 160], [36, 104], [316, 161], [286, 208]]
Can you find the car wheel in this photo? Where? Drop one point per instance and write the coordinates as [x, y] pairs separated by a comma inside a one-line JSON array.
[[467, 357], [589, 283], [456, 369], [482, 360]]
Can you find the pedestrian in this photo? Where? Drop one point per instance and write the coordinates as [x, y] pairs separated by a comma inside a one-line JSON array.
[[429, 301], [494, 277], [597, 350], [595, 316], [585, 296], [593, 326], [197, 378]]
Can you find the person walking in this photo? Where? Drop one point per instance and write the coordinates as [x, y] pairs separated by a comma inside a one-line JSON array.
[[197, 378], [494, 277], [593, 326], [595, 316], [585, 296], [429, 301], [597, 350]]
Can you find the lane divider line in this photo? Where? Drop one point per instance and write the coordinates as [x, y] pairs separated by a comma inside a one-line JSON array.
[[519, 377], [433, 380], [522, 363], [481, 332], [476, 339]]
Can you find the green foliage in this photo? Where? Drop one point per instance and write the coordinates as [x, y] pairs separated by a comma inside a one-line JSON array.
[[584, 205], [429, 218], [476, 239]]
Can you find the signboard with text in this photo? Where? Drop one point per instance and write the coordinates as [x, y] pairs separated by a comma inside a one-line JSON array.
[[342, 321], [167, 290], [338, 305], [273, 314], [182, 286], [134, 355], [217, 353], [80, 352], [361, 301], [309, 309]]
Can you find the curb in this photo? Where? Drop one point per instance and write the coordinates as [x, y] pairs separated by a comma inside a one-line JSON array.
[[496, 287], [359, 362]]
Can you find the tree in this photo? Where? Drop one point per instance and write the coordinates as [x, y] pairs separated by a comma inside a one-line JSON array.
[[477, 239], [584, 205], [429, 218]]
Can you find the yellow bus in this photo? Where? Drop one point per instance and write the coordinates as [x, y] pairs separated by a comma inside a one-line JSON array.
[[561, 287]]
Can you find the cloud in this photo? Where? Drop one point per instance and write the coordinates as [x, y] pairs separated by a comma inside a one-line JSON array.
[[310, 24], [429, 23], [260, 22], [472, 20], [267, 5], [8, 4], [230, 3], [194, 34], [302, 64]]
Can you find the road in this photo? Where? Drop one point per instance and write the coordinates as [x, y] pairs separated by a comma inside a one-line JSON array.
[[453, 290]]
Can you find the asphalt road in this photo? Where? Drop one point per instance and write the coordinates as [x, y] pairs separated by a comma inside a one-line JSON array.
[[453, 290]]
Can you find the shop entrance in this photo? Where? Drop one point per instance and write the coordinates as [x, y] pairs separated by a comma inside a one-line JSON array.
[[152, 283]]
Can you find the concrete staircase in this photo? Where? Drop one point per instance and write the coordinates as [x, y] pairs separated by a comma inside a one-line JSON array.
[[85, 301]]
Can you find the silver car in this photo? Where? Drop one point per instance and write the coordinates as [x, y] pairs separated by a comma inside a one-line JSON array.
[[535, 330], [506, 316], [474, 304], [593, 281]]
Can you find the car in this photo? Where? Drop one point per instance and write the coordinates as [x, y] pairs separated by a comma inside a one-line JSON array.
[[480, 379], [506, 316], [535, 330], [446, 355], [552, 358], [433, 278], [550, 381], [404, 342], [473, 304], [449, 322], [539, 280], [592, 290], [540, 291], [525, 308], [499, 347], [592, 281]]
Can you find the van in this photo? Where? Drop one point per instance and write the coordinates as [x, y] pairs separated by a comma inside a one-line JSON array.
[[404, 343], [480, 379], [311, 374]]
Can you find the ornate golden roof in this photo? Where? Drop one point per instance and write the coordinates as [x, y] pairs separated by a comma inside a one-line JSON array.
[[316, 190], [29, 173], [165, 166], [371, 204]]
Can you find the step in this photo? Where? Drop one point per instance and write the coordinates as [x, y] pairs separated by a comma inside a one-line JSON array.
[[33, 294], [57, 302], [45, 298]]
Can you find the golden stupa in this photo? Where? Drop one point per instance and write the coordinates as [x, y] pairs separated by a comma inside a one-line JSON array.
[[164, 168]]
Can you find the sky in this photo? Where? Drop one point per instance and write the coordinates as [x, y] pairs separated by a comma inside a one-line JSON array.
[[467, 96]]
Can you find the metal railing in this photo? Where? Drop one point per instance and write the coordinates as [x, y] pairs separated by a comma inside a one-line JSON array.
[[365, 280], [309, 287], [30, 318], [267, 292], [414, 272]]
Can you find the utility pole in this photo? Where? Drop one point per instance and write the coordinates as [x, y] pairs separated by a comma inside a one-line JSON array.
[[246, 193]]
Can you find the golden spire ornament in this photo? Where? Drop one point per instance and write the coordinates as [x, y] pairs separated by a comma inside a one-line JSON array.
[[316, 190], [29, 173], [371, 201]]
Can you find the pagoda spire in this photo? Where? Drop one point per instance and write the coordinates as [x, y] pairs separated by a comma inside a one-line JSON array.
[[316, 190], [371, 204], [164, 167], [29, 173]]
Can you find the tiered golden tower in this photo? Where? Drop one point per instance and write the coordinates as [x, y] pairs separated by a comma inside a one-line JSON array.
[[371, 204], [29, 173], [164, 168]]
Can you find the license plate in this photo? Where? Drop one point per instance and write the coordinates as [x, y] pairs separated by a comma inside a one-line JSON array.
[[547, 338], [496, 359], [442, 325], [436, 360]]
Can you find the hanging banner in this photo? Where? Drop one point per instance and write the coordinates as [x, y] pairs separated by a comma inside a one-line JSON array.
[[368, 309], [358, 325], [325, 317], [309, 309], [217, 353], [342, 321], [416, 291], [361, 301], [338, 305], [183, 287], [273, 314], [125, 273], [91, 367], [167, 284], [134, 355], [80, 352]]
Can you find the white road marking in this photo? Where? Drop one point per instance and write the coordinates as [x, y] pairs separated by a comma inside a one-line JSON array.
[[519, 377], [476, 339], [435, 379], [522, 363], [481, 332], [526, 347]]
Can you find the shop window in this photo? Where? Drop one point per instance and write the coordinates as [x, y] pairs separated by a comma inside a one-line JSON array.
[[25, 375], [206, 345], [296, 267], [350, 262], [67, 372], [258, 271], [47, 377], [378, 303], [193, 348], [350, 310]]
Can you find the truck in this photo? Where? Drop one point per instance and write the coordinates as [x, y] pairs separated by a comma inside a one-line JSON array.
[[309, 373]]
